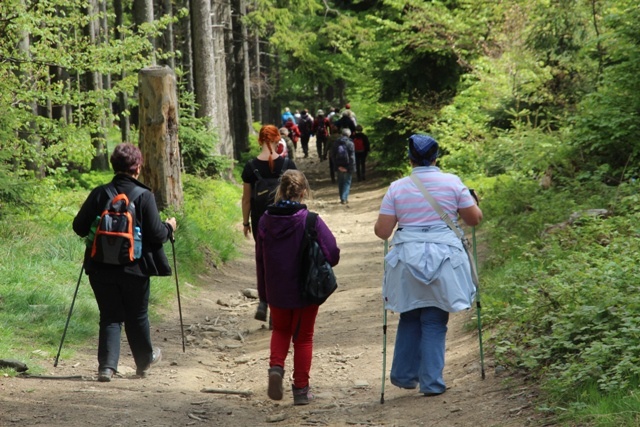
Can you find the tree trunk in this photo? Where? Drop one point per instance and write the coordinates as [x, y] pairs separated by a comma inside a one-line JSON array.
[[123, 97], [204, 85], [257, 79], [166, 42], [29, 131], [158, 141], [241, 83], [221, 120], [94, 83], [143, 13]]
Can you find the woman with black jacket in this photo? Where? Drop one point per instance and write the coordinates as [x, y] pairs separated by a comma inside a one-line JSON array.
[[122, 291]]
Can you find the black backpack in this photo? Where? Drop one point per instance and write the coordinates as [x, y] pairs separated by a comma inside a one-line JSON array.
[[317, 280], [264, 190], [114, 236]]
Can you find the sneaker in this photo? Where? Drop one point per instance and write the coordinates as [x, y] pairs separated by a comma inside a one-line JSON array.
[[105, 375], [157, 356], [275, 390], [301, 396]]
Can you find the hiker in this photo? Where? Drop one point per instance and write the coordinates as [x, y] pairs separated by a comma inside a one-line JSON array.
[[427, 274], [321, 130], [269, 165], [305, 125], [344, 162], [294, 132], [333, 137], [362, 148], [286, 116], [349, 112], [346, 121], [122, 291], [281, 232], [289, 149]]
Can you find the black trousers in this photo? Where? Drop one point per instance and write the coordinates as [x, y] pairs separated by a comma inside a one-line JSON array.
[[122, 299]]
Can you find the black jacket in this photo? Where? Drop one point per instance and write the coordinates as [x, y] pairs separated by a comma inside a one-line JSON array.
[[155, 232]]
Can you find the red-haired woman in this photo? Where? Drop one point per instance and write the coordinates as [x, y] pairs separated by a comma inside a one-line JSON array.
[[269, 164]]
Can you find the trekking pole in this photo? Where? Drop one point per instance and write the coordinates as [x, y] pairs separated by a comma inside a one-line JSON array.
[[73, 301], [175, 268], [478, 305], [384, 331]]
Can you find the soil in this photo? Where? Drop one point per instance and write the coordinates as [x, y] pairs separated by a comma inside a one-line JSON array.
[[227, 352]]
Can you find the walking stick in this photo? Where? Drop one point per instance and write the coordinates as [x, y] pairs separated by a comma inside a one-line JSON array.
[[384, 331], [73, 301], [478, 305], [175, 268]]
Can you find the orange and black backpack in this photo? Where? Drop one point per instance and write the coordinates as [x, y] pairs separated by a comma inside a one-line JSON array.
[[115, 235]]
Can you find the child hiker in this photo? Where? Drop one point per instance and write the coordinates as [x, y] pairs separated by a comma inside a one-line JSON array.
[[280, 232]]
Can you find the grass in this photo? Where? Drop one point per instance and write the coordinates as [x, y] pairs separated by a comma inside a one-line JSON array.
[[42, 261]]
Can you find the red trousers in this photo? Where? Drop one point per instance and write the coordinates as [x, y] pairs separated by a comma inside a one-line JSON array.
[[293, 325]]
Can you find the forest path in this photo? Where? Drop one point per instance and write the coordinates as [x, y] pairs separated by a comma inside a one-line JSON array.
[[228, 350]]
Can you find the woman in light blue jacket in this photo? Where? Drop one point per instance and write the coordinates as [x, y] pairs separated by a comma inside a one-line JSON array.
[[428, 273]]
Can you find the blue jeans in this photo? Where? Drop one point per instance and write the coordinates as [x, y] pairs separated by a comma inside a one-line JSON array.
[[418, 357], [344, 185]]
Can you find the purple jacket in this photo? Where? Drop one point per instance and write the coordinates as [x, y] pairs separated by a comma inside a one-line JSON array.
[[278, 245]]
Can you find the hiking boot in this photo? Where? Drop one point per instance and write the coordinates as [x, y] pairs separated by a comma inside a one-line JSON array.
[[157, 356], [105, 375], [275, 390], [261, 311], [301, 396]]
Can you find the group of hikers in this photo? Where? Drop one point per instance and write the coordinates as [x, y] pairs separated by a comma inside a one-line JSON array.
[[338, 137], [427, 272]]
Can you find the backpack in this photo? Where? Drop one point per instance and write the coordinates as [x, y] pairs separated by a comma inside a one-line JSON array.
[[358, 143], [305, 125], [317, 280], [321, 130], [341, 154], [114, 236], [264, 191]]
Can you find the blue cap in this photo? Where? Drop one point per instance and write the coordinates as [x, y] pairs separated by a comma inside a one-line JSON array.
[[419, 146]]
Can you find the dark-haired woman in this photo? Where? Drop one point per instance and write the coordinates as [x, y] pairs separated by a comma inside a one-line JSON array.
[[427, 274], [122, 291]]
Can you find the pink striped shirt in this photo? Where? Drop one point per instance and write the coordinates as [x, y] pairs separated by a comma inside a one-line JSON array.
[[405, 201]]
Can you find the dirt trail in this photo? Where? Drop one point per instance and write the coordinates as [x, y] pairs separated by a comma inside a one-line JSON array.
[[227, 349]]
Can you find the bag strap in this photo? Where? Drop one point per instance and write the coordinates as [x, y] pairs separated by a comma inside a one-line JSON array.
[[255, 169], [112, 192], [310, 224], [436, 206], [447, 219]]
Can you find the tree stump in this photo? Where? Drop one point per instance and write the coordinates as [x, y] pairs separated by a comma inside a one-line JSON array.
[[158, 122]]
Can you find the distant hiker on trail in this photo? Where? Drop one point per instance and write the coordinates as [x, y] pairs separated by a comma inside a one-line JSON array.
[[290, 149], [427, 274], [362, 147], [321, 129], [286, 115], [346, 121], [305, 125], [281, 232], [335, 135], [122, 290], [349, 112], [294, 132], [344, 160]]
